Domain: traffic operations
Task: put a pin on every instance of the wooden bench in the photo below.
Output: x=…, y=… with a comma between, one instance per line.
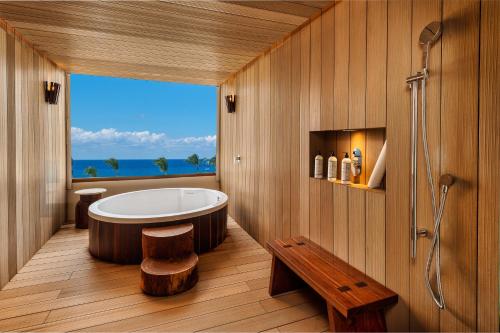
x=355, y=302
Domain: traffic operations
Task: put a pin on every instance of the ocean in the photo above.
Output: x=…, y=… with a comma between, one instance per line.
x=137, y=168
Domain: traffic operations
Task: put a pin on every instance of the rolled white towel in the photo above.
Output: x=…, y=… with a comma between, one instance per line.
x=379, y=169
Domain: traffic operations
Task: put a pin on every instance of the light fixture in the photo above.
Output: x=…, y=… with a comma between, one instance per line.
x=51, y=92
x=231, y=103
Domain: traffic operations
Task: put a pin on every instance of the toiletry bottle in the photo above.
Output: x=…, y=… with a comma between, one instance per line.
x=332, y=167
x=356, y=165
x=345, y=170
x=318, y=166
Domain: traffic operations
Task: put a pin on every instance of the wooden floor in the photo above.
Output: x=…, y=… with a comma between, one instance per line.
x=64, y=289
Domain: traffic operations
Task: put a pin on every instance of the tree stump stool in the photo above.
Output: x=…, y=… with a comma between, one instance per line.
x=87, y=197
x=170, y=265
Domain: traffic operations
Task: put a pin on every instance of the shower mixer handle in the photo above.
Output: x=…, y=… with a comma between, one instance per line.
x=446, y=180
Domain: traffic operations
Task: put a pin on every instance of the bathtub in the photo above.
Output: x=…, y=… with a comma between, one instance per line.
x=116, y=222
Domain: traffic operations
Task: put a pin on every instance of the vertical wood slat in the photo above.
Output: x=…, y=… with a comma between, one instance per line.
x=399, y=45
x=286, y=102
x=11, y=151
x=357, y=64
x=25, y=189
x=341, y=66
x=4, y=217
x=341, y=197
x=295, y=140
x=274, y=142
x=403, y=56
x=357, y=231
x=315, y=76
x=315, y=210
x=326, y=216
x=265, y=158
x=459, y=114
x=305, y=48
x=375, y=235
x=278, y=128
x=425, y=315
x=376, y=63
x=489, y=177
x=327, y=67
x=341, y=223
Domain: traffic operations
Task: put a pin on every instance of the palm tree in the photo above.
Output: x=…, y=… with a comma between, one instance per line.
x=194, y=160
x=90, y=171
x=212, y=161
x=162, y=164
x=113, y=163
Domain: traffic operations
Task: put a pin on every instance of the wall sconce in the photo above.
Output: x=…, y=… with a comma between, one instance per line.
x=231, y=103
x=51, y=92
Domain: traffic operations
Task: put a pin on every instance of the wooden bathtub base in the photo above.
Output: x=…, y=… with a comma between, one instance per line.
x=121, y=243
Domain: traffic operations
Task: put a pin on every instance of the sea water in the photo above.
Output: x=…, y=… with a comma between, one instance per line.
x=138, y=168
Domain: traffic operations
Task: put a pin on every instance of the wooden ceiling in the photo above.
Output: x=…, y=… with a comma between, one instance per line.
x=184, y=41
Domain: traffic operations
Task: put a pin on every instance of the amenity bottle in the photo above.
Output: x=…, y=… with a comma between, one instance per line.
x=345, y=170
x=318, y=166
x=332, y=168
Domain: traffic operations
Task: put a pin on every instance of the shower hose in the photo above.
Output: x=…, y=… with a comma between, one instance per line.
x=437, y=212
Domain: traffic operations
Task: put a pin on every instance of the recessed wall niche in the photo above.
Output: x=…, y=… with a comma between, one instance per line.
x=369, y=141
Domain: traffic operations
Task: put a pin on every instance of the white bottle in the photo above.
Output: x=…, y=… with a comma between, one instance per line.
x=318, y=166
x=332, y=168
x=345, y=170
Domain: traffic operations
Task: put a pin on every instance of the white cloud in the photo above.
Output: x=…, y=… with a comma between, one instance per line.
x=111, y=135
x=112, y=142
x=209, y=139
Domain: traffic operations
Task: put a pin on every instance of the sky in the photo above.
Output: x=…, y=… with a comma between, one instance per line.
x=138, y=119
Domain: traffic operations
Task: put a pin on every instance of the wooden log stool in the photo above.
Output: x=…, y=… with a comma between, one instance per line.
x=354, y=301
x=169, y=264
x=87, y=197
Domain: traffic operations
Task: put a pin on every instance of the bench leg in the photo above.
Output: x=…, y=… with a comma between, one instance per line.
x=369, y=321
x=283, y=279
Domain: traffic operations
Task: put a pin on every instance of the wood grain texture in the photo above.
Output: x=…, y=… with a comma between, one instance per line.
x=122, y=242
x=425, y=315
x=357, y=228
x=376, y=63
x=31, y=193
x=459, y=114
x=357, y=64
x=305, y=67
x=327, y=69
x=375, y=236
x=4, y=205
x=315, y=76
x=398, y=162
x=341, y=223
x=489, y=186
x=326, y=216
x=169, y=40
x=327, y=274
x=315, y=209
x=394, y=56
x=295, y=140
x=341, y=64
x=100, y=296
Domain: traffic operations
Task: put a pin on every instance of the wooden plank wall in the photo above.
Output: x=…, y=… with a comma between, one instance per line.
x=347, y=70
x=32, y=146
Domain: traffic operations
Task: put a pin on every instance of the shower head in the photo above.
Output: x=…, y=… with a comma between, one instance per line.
x=431, y=33
x=428, y=36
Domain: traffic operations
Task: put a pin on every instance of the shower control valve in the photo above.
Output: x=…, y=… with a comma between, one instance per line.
x=422, y=232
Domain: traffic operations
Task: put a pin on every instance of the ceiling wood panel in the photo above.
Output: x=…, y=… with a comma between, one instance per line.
x=187, y=41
